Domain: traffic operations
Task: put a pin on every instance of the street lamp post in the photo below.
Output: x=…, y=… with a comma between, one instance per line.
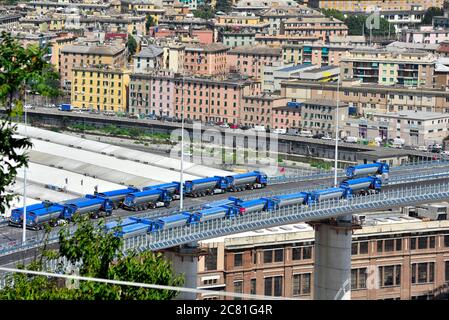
x=24, y=233
x=336, y=134
x=181, y=187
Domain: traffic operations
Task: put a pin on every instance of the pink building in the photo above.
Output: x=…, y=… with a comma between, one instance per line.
x=426, y=34
x=258, y=109
x=205, y=59
x=151, y=94
x=250, y=60
x=209, y=99
x=286, y=118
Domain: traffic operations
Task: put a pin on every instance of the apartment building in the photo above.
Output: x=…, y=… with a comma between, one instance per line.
x=45, y=23
x=8, y=20
x=364, y=5
x=148, y=59
x=42, y=7
x=425, y=34
x=282, y=39
x=173, y=58
x=286, y=117
x=258, y=109
x=131, y=24
x=370, y=98
x=415, y=128
x=103, y=89
x=79, y=55
x=318, y=116
x=414, y=69
x=398, y=257
x=205, y=59
x=152, y=93
x=213, y=99
x=275, y=16
x=317, y=54
x=237, y=38
x=321, y=27
x=251, y=60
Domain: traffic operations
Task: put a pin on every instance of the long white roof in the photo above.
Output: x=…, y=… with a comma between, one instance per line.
x=170, y=165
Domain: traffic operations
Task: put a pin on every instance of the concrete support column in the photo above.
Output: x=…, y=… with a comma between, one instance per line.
x=332, y=268
x=185, y=261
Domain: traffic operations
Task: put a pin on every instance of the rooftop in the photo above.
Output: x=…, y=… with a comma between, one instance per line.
x=326, y=103
x=415, y=115
x=213, y=47
x=150, y=51
x=259, y=50
x=296, y=68
x=93, y=49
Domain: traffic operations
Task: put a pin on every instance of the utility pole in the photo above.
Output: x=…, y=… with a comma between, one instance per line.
x=181, y=187
x=336, y=134
x=24, y=233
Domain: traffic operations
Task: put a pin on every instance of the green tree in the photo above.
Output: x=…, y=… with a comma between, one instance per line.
x=149, y=22
x=204, y=11
x=430, y=13
x=98, y=254
x=333, y=13
x=21, y=69
x=223, y=5
x=131, y=44
x=357, y=26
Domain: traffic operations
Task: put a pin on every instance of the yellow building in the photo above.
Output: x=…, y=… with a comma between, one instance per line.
x=237, y=20
x=103, y=89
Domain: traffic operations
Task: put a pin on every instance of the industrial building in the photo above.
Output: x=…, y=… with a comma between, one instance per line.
x=394, y=256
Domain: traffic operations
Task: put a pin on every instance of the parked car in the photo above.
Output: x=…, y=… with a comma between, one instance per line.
x=422, y=148
x=224, y=125
x=318, y=136
x=234, y=126
x=326, y=138
x=245, y=127
x=306, y=133
x=280, y=131
x=28, y=106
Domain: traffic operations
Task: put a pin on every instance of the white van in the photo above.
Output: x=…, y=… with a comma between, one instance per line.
x=350, y=139
x=280, y=131
x=306, y=133
x=259, y=128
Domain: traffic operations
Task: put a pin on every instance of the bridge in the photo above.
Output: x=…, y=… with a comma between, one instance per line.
x=412, y=184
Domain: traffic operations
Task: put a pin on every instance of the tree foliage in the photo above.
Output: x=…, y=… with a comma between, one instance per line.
x=357, y=23
x=430, y=13
x=21, y=69
x=98, y=254
x=204, y=11
x=223, y=5
x=149, y=22
x=131, y=44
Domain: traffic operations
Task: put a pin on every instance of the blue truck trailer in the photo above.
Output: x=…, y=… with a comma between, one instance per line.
x=204, y=186
x=250, y=180
x=171, y=187
x=150, y=198
x=116, y=196
x=16, y=218
x=379, y=168
x=363, y=186
x=168, y=222
x=92, y=205
x=290, y=199
x=65, y=107
x=326, y=194
x=36, y=219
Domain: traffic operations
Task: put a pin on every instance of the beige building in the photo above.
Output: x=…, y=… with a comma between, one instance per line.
x=370, y=98
x=415, y=128
x=84, y=55
x=364, y=5
x=398, y=257
x=385, y=67
x=173, y=58
x=322, y=27
x=318, y=116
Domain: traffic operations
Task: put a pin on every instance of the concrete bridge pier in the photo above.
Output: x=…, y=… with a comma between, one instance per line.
x=332, y=268
x=185, y=261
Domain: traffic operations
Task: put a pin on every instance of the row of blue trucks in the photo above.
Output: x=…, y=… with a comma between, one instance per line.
x=103, y=204
x=234, y=207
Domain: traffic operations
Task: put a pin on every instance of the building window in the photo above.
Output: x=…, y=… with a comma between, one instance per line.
x=423, y=272
x=273, y=286
x=238, y=259
x=301, y=284
x=303, y=253
x=446, y=240
x=389, y=245
x=422, y=243
x=446, y=271
x=358, y=278
x=279, y=255
x=390, y=275
x=360, y=247
x=238, y=288
x=210, y=262
x=268, y=256
x=253, y=286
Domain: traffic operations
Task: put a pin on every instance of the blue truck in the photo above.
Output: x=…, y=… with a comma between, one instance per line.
x=204, y=186
x=65, y=107
x=377, y=168
x=250, y=180
x=290, y=199
x=16, y=218
x=51, y=215
x=116, y=196
x=172, y=221
x=326, y=194
x=171, y=187
x=150, y=198
x=93, y=205
x=362, y=186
